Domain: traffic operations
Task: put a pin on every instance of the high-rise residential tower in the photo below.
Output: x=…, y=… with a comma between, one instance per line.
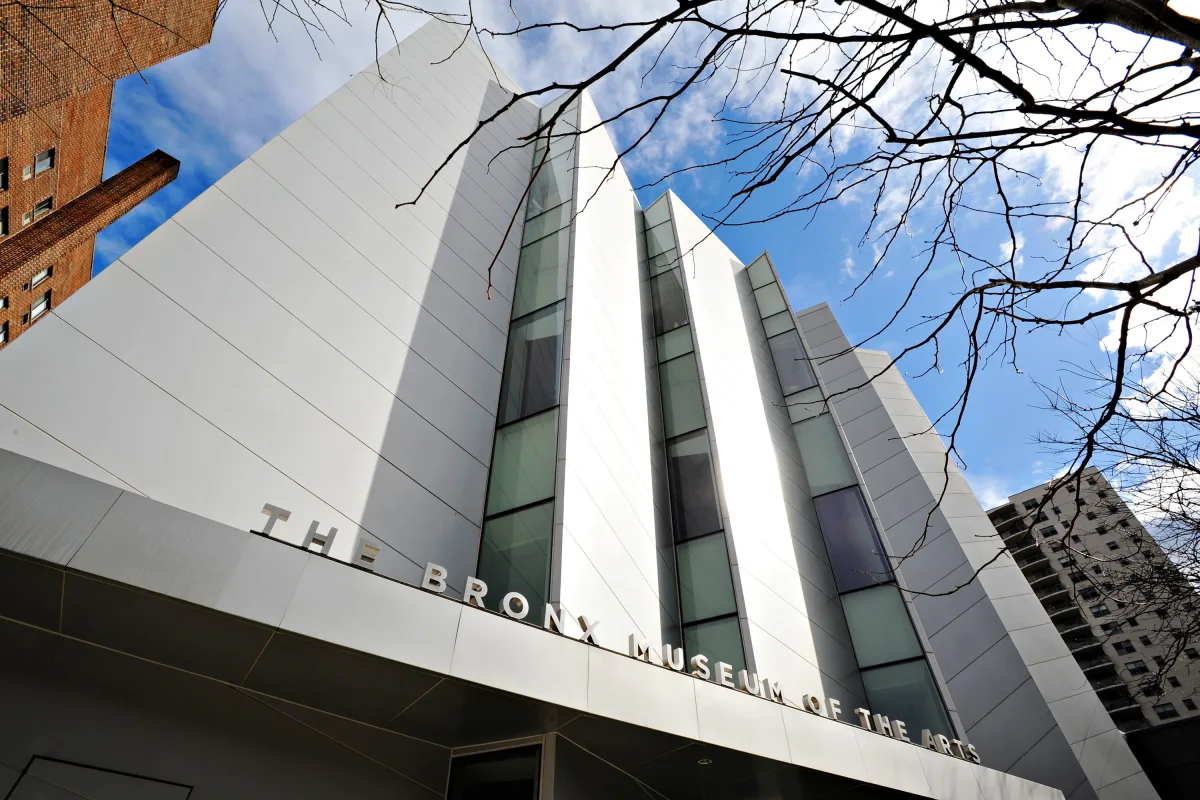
x=408, y=501
x=1075, y=543
x=59, y=61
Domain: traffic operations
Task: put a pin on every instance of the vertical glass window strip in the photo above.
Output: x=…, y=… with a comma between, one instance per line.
x=791, y=362
x=659, y=239
x=552, y=184
x=760, y=273
x=523, y=462
x=542, y=273
x=515, y=554
x=720, y=640
x=682, y=402
x=532, y=365
x=705, y=582
x=546, y=223
x=855, y=551
x=895, y=673
x=675, y=343
x=708, y=605
x=669, y=301
x=825, y=461
x=694, y=507
x=515, y=546
x=879, y=626
x=907, y=691
x=770, y=300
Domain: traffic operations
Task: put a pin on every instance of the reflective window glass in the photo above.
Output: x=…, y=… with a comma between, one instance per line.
x=705, y=584
x=823, y=454
x=779, y=323
x=664, y=261
x=806, y=404
x=760, y=272
x=694, y=507
x=532, y=364
x=683, y=405
x=675, y=343
x=720, y=640
x=659, y=239
x=791, y=362
x=670, y=305
x=658, y=212
x=770, y=300
x=514, y=556
x=854, y=549
x=880, y=627
x=552, y=184
x=542, y=273
x=513, y=774
x=546, y=223
x=907, y=692
x=523, y=462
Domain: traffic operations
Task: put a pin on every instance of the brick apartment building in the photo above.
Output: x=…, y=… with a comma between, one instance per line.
x=58, y=62
x=1072, y=548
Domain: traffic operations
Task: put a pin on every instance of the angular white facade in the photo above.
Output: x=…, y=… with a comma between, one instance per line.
x=609, y=431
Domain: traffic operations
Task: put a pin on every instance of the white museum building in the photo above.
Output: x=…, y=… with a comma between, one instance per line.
x=293, y=505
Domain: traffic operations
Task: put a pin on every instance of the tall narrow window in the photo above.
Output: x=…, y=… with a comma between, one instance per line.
x=791, y=362
x=532, y=365
x=683, y=403
x=523, y=462
x=670, y=303
x=694, y=507
x=514, y=555
x=43, y=207
x=4, y=221
x=3, y=332
x=39, y=307
x=542, y=273
x=854, y=548
x=3, y=173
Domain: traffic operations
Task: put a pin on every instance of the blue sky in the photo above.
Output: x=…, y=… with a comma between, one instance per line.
x=213, y=107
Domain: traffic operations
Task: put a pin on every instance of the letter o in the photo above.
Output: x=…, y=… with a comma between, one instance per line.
x=506, y=605
x=812, y=703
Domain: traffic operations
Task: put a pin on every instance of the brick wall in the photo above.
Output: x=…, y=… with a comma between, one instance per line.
x=53, y=49
x=64, y=239
x=59, y=59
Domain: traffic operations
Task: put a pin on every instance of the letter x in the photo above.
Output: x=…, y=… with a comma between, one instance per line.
x=589, y=630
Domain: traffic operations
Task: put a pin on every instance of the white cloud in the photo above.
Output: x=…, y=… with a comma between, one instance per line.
x=991, y=490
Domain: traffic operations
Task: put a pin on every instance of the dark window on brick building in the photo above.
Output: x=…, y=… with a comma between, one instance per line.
x=43, y=161
x=3, y=173
x=4, y=221
x=43, y=207
x=3, y=332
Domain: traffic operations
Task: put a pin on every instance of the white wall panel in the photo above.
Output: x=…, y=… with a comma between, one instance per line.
x=608, y=514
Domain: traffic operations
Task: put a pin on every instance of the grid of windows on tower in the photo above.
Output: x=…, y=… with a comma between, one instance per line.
x=515, y=549
x=707, y=603
x=894, y=670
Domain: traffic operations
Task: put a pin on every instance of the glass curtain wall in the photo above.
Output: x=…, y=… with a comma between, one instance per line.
x=515, y=550
x=707, y=604
x=894, y=671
